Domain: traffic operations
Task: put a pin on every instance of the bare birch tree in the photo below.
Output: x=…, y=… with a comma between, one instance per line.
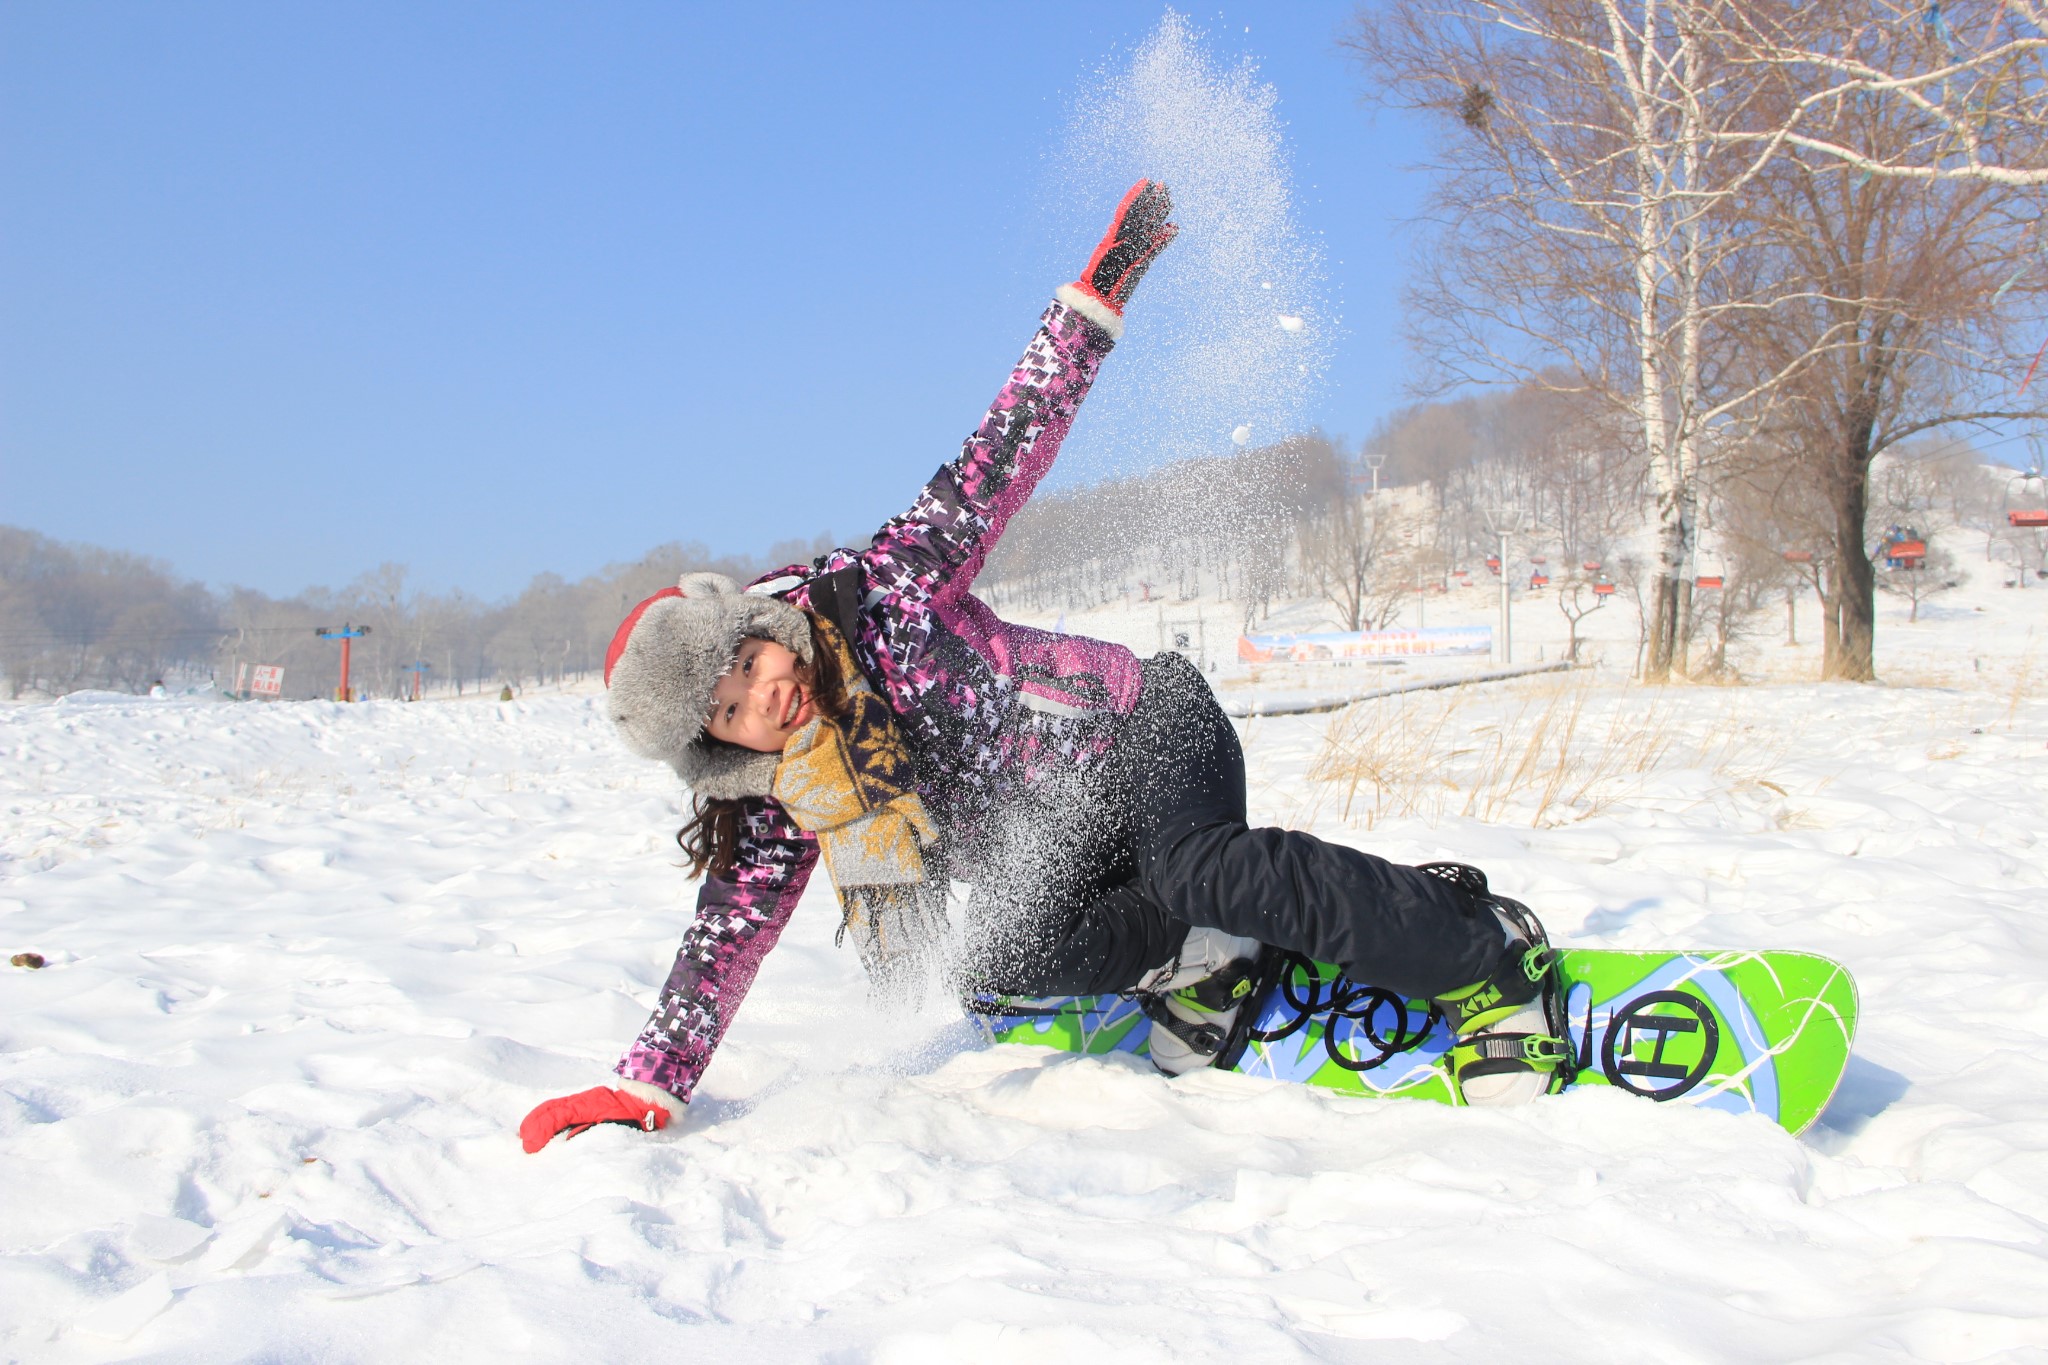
x=1591, y=152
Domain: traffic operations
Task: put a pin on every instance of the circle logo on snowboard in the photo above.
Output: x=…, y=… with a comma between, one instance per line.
x=1660, y=1045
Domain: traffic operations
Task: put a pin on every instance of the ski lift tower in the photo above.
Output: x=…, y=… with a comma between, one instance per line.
x=1374, y=459
x=345, y=635
x=1503, y=522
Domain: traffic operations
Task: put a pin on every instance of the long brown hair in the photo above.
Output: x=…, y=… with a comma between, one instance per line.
x=711, y=839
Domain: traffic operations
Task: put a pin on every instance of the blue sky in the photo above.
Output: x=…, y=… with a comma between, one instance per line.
x=290, y=290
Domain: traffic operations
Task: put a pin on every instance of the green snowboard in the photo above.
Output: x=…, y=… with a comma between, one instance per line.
x=1767, y=1033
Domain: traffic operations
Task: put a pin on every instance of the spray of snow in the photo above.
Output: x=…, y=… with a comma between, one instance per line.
x=1230, y=332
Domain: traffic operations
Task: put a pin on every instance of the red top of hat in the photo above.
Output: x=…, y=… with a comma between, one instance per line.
x=611, y=656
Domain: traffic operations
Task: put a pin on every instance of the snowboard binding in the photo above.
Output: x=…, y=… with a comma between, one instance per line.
x=1512, y=1041
x=1202, y=1003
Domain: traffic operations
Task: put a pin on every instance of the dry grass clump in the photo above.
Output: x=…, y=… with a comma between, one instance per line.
x=1563, y=751
x=2022, y=687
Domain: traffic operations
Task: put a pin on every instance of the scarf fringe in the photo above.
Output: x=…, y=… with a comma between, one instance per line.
x=848, y=781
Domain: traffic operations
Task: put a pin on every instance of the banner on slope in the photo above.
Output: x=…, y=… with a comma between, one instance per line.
x=1331, y=646
x=264, y=680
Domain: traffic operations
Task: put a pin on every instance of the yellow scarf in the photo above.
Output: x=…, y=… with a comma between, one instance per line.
x=849, y=782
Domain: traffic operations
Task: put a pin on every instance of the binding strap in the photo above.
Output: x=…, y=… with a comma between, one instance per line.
x=1492, y=1054
x=1204, y=1039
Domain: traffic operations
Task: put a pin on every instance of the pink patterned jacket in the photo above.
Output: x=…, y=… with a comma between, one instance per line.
x=985, y=705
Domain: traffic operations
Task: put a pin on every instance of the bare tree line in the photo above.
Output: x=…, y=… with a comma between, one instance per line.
x=1300, y=519
x=78, y=617
x=1220, y=527
x=1305, y=519
x=1564, y=463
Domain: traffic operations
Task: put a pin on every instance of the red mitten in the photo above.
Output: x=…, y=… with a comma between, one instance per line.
x=1136, y=236
x=572, y=1114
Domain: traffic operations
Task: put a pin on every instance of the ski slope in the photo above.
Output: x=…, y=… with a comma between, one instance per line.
x=309, y=964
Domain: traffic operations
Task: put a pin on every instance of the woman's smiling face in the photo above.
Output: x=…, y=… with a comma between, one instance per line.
x=763, y=699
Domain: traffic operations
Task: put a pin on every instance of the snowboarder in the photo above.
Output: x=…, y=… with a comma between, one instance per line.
x=1083, y=810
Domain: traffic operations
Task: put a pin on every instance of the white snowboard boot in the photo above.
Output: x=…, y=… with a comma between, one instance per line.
x=1511, y=1044
x=1194, y=999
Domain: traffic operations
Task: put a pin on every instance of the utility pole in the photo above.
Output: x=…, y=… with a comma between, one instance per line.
x=1504, y=522
x=345, y=634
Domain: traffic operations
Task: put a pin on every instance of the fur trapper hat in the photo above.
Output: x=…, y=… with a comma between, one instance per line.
x=669, y=653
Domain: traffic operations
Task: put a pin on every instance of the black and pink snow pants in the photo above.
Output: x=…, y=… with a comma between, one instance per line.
x=1159, y=843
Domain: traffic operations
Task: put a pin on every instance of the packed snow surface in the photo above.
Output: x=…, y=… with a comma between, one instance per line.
x=308, y=965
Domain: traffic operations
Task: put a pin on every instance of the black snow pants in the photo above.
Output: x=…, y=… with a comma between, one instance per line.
x=1163, y=845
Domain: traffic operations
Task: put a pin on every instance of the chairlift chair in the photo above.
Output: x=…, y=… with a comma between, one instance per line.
x=2031, y=518
x=1905, y=554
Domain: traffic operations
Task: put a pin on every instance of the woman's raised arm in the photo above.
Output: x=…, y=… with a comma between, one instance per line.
x=934, y=550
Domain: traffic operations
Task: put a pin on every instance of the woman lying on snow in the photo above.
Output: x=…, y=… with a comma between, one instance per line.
x=870, y=710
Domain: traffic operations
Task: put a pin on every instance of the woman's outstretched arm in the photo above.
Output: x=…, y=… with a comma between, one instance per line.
x=739, y=918
x=933, y=551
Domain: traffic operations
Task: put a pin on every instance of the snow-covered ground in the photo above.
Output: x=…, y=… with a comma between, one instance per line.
x=309, y=965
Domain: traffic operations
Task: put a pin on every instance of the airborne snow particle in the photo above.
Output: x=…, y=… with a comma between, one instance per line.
x=1289, y=323
x=1202, y=355
x=1243, y=436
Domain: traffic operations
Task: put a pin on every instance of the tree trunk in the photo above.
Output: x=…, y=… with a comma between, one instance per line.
x=1663, y=635
x=1671, y=614
x=1830, y=593
x=1856, y=661
x=1852, y=659
x=1688, y=624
